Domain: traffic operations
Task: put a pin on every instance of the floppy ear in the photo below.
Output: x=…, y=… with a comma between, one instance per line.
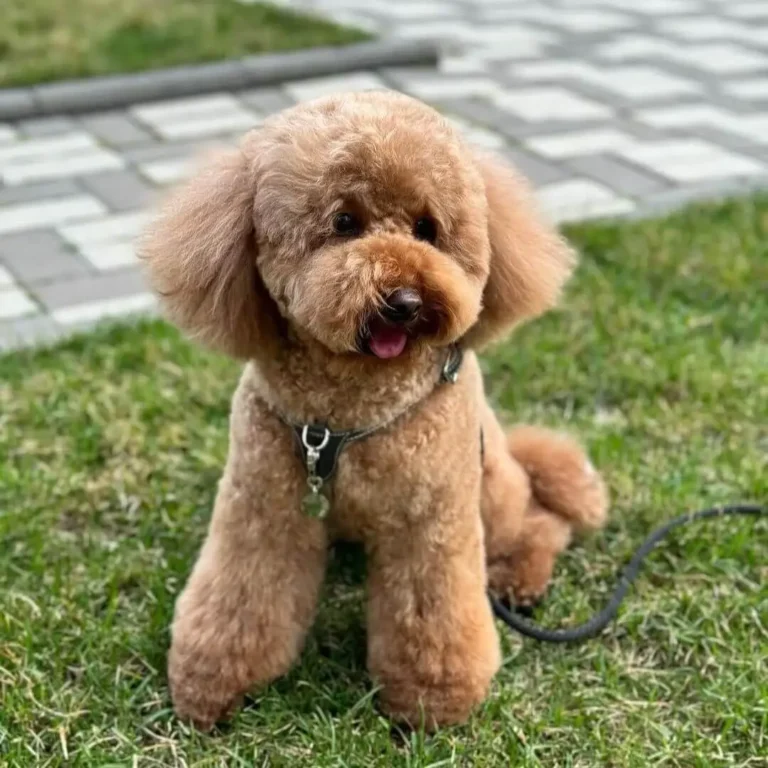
x=530, y=261
x=201, y=258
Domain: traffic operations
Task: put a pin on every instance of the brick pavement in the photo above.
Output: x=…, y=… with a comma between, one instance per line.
x=611, y=107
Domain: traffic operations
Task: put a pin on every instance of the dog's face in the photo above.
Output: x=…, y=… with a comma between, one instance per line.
x=362, y=221
x=371, y=225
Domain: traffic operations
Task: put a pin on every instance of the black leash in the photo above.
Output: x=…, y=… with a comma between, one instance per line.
x=601, y=619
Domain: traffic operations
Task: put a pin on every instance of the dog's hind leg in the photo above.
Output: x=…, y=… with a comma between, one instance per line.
x=538, y=488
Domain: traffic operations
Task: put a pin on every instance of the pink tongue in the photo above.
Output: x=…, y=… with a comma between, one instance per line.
x=387, y=342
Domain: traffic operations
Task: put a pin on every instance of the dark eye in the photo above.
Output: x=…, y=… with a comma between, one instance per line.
x=346, y=224
x=425, y=229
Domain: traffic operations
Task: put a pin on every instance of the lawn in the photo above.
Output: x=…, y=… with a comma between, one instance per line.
x=43, y=40
x=113, y=443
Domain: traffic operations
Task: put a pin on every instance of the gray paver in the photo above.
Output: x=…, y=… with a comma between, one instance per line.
x=266, y=100
x=619, y=175
x=108, y=285
x=674, y=198
x=489, y=116
x=159, y=150
x=536, y=169
x=120, y=190
x=28, y=331
x=38, y=256
x=28, y=193
x=116, y=129
x=46, y=126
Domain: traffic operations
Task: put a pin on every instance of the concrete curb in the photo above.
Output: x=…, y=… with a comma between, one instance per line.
x=103, y=93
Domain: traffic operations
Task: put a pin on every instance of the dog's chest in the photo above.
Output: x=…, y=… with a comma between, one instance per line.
x=395, y=477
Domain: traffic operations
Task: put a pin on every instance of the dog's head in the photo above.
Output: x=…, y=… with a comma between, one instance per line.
x=361, y=221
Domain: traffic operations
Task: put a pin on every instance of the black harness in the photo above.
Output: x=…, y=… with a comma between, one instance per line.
x=319, y=447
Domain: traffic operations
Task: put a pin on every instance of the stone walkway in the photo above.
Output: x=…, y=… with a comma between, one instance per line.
x=609, y=106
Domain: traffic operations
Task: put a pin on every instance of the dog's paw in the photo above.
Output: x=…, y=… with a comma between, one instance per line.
x=520, y=578
x=201, y=691
x=203, y=704
x=431, y=707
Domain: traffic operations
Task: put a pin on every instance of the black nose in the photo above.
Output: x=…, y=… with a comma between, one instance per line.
x=402, y=306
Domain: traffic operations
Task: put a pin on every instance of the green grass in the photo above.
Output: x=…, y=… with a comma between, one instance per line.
x=659, y=359
x=43, y=40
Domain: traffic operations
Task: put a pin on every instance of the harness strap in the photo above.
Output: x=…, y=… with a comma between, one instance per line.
x=319, y=448
x=328, y=444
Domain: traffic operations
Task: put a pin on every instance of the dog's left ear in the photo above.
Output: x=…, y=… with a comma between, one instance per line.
x=530, y=261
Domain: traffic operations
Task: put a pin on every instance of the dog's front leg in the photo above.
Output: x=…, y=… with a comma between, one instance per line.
x=432, y=644
x=243, y=616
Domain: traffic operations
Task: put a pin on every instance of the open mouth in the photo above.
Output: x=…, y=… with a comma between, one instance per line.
x=383, y=340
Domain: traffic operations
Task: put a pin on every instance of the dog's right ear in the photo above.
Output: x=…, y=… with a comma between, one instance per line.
x=201, y=258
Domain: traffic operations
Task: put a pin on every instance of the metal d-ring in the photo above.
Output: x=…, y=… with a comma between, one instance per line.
x=319, y=447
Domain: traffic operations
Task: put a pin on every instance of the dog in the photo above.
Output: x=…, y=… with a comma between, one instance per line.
x=356, y=253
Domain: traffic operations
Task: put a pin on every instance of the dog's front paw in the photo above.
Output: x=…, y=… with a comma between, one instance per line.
x=433, y=706
x=198, y=707
x=202, y=692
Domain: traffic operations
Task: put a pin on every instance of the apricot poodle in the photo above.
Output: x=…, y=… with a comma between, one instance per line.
x=356, y=252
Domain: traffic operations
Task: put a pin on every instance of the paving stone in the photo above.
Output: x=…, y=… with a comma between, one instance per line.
x=571, y=144
x=305, y=90
x=27, y=193
x=676, y=197
x=580, y=198
x=435, y=87
x=159, y=150
x=482, y=112
x=108, y=243
x=84, y=314
x=536, y=169
x=478, y=136
x=265, y=101
x=107, y=256
x=164, y=172
x=49, y=212
x=40, y=255
x=196, y=117
x=692, y=116
x=116, y=129
x=54, y=157
x=81, y=290
x=14, y=302
x=618, y=175
x=119, y=227
x=550, y=103
x=635, y=82
x=28, y=331
x=6, y=278
x=721, y=58
x=47, y=147
x=46, y=126
x=691, y=160
x=121, y=190
x=7, y=134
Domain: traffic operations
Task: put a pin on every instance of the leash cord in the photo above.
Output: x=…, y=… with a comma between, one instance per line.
x=604, y=617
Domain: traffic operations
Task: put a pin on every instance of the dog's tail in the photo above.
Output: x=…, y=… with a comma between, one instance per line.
x=562, y=477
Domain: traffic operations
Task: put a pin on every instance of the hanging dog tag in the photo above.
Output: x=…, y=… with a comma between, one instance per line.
x=314, y=504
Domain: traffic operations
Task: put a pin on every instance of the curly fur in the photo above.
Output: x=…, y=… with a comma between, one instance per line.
x=246, y=260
